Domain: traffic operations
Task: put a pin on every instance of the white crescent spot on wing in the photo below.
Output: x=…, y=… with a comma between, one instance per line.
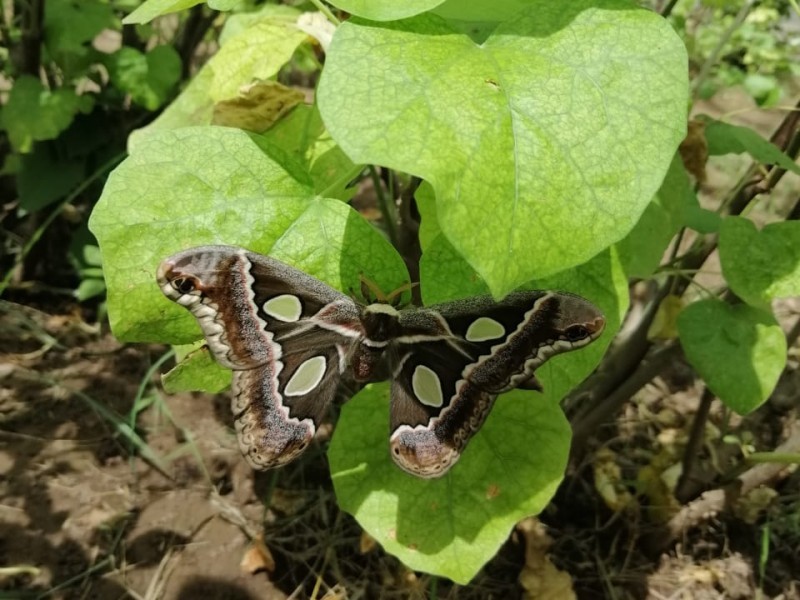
x=284, y=307
x=483, y=329
x=427, y=387
x=306, y=377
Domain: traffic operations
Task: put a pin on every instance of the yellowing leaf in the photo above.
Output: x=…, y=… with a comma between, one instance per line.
x=257, y=107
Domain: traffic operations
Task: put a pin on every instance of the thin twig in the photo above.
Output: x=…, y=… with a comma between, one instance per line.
x=588, y=422
x=667, y=10
x=713, y=57
x=386, y=206
x=714, y=501
x=321, y=7
x=689, y=476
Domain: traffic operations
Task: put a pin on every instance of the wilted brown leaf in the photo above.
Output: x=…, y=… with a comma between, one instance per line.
x=257, y=557
x=540, y=579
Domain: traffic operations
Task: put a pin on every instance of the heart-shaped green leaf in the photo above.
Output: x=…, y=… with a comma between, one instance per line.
x=543, y=144
x=724, y=138
x=453, y=525
x=739, y=350
x=212, y=185
x=760, y=265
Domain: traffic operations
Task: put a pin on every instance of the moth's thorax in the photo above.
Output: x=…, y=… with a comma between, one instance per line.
x=365, y=362
x=381, y=324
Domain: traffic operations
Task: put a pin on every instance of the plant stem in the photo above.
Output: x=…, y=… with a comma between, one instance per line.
x=693, y=446
x=326, y=11
x=709, y=63
x=784, y=458
x=386, y=205
x=667, y=10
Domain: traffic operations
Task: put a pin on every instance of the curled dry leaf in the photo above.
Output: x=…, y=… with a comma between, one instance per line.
x=751, y=506
x=257, y=557
x=540, y=579
x=258, y=106
x=367, y=543
x=694, y=151
x=608, y=481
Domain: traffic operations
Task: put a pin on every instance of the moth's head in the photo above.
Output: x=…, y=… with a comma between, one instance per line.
x=372, y=293
x=185, y=276
x=380, y=322
x=578, y=321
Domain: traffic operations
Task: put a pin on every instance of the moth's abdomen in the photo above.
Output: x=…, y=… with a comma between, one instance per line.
x=420, y=452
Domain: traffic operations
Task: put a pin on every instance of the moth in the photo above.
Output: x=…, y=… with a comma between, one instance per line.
x=289, y=339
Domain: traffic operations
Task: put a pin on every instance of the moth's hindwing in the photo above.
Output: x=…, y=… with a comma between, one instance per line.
x=451, y=361
x=286, y=336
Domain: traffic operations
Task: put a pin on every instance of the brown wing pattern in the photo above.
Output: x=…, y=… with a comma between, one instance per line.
x=285, y=334
x=445, y=387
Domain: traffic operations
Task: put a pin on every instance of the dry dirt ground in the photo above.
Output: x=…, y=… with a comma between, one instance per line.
x=83, y=515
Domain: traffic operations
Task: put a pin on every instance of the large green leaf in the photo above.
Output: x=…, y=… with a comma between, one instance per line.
x=385, y=10
x=453, y=525
x=739, y=350
x=760, y=265
x=209, y=185
x=544, y=144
